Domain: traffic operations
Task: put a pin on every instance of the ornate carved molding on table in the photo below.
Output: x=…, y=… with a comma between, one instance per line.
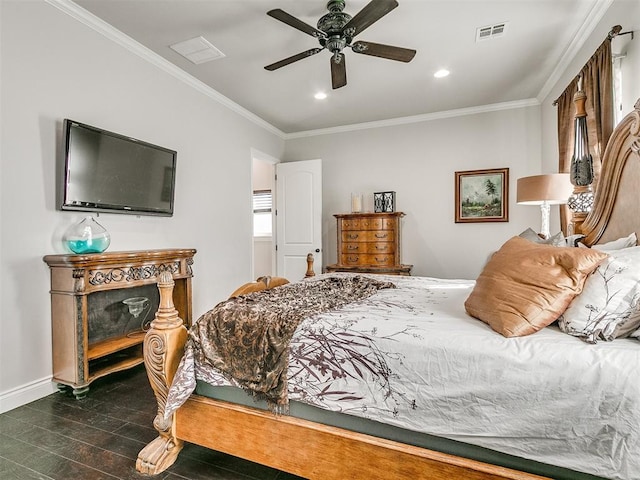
x=90, y=327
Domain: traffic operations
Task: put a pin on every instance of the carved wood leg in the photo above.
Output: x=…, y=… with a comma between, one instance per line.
x=80, y=392
x=163, y=349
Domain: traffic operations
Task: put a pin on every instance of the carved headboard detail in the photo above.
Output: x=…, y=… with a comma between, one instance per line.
x=616, y=208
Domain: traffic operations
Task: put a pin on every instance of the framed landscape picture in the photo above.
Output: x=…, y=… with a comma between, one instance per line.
x=482, y=196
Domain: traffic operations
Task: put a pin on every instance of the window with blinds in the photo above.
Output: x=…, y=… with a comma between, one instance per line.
x=262, y=201
x=262, y=205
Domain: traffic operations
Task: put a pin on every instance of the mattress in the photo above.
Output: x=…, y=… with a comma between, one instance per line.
x=411, y=358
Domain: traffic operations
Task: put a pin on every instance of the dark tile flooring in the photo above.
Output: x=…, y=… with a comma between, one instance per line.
x=99, y=437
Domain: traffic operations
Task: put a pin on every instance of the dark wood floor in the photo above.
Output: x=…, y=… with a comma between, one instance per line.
x=99, y=437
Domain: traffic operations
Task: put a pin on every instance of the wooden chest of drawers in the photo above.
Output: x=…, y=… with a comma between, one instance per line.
x=369, y=242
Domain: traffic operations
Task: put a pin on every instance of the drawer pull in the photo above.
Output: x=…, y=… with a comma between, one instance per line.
x=353, y=247
x=382, y=248
x=353, y=258
x=381, y=235
x=353, y=236
x=381, y=260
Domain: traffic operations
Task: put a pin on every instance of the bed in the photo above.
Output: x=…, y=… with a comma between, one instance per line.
x=474, y=439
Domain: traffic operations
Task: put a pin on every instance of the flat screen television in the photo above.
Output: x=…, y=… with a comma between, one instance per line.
x=108, y=172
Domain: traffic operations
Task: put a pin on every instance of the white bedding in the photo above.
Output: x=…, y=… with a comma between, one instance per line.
x=429, y=367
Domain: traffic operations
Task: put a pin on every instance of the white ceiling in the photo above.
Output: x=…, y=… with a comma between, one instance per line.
x=518, y=66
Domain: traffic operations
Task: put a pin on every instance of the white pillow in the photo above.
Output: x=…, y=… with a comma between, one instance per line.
x=624, y=242
x=608, y=306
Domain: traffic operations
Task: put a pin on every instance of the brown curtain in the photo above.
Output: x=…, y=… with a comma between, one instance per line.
x=597, y=83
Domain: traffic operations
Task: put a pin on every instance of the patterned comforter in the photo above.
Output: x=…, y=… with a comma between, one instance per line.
x=410, y=356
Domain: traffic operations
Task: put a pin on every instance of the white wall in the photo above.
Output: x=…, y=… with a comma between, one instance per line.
x=418, y=161
x=52, y=67
x=55, y=67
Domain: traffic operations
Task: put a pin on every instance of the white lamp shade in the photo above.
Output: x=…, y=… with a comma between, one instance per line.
x=552, y=188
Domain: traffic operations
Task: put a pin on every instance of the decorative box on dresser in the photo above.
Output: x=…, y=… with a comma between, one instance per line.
x=101, y=304
x=369, y=243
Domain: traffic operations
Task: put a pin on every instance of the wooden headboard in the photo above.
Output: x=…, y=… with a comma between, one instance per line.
x=616, y=211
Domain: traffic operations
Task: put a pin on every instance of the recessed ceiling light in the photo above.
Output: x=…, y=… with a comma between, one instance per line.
x=320, y=96
x=441, y=73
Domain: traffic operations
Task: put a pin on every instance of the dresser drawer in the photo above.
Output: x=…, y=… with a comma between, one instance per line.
x=362, y=223
x=368, y=223
x=367, y=259
x=368, y=236
x=368, y=247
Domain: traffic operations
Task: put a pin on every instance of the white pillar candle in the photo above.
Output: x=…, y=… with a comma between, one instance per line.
x=356, y=202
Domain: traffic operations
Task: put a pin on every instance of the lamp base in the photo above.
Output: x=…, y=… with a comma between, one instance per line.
x=545, y=208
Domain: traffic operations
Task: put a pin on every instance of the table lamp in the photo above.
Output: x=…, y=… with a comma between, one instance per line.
x=544, y=190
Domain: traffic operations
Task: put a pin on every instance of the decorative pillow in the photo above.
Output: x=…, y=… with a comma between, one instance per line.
x=574, y=240
x=608, y=306
x=525, y=286
x=624, y=242
x=557, y=240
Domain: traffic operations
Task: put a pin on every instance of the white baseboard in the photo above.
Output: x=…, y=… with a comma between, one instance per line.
x=26, y=393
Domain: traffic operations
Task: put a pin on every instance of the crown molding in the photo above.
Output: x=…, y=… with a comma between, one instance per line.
x=108, y=31
x=426, y=117
x=582, y=35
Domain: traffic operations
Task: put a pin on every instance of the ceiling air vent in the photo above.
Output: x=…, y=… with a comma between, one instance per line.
x=491, y=31
x=197, y=50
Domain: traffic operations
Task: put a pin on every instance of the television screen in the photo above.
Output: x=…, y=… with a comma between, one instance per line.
x=105, y=171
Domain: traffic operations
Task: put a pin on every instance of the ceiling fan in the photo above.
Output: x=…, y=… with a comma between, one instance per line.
x=336, y=30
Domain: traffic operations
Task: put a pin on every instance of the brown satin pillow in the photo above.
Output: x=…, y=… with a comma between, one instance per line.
x=526, y=286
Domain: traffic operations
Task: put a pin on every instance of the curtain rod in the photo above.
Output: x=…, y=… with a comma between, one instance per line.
x=614, y=32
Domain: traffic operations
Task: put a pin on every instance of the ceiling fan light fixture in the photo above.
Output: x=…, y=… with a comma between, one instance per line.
x=335, y=32
x=443, y=72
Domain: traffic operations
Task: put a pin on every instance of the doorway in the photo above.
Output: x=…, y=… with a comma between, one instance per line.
x=263, y=214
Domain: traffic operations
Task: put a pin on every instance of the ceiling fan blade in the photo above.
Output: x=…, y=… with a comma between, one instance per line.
x=338, y=70
x=371, y=13
x=293, y=58
x=384, y=51
x=295, y=23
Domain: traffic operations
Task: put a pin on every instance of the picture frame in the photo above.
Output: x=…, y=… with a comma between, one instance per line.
x=482, y=195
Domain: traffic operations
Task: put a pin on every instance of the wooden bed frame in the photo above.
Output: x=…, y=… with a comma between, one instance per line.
x=335, y=453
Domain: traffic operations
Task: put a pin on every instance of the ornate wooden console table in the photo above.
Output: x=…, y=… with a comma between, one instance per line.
x=101, y=305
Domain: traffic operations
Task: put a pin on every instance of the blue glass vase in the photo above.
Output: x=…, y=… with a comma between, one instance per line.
x=87, y=236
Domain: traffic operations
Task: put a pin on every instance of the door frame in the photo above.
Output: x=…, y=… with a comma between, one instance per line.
x=266, y=158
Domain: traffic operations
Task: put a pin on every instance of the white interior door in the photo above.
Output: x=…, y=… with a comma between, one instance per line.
x=298, y=217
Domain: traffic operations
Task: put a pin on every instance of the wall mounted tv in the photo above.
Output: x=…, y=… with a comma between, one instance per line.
x=108, y=172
